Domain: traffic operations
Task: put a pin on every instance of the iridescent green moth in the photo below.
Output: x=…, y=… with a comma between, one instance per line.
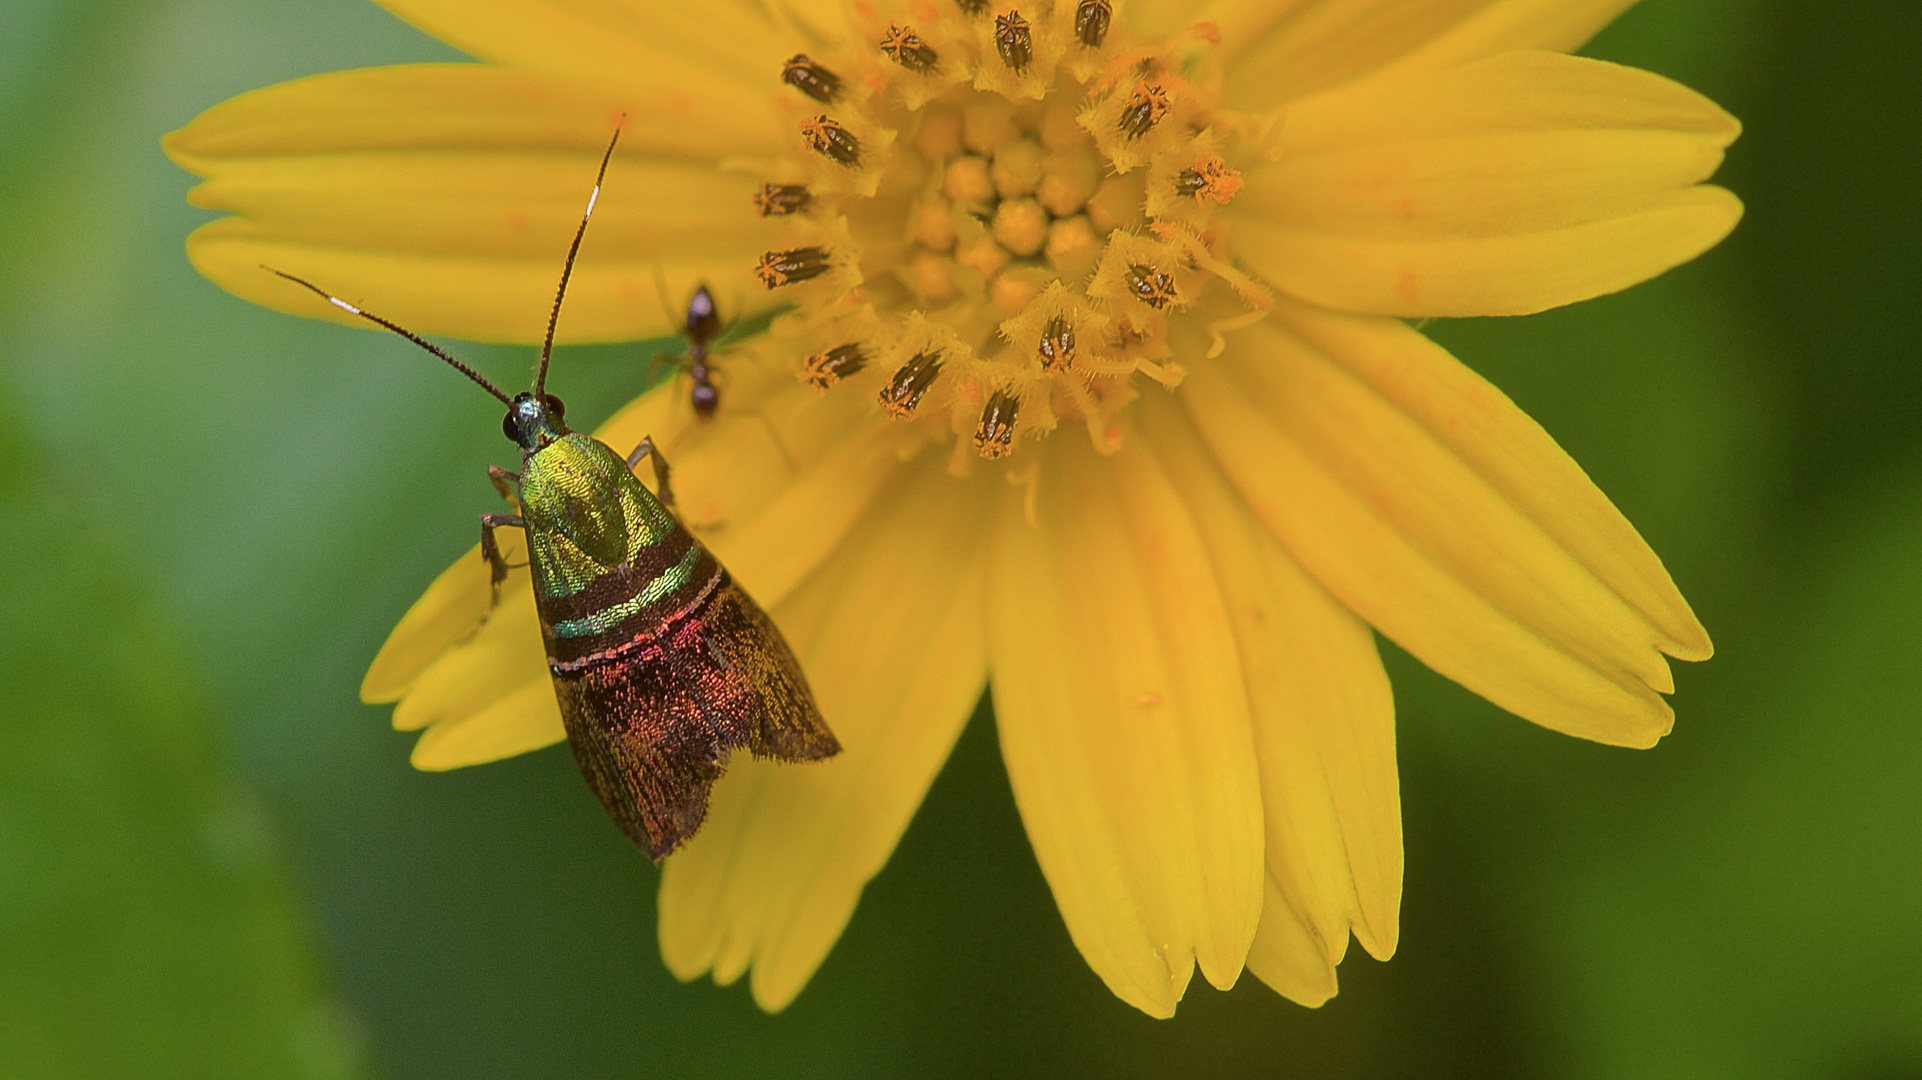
x=662, y=665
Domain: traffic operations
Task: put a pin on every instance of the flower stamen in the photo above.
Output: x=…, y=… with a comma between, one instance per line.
x=1210, y=180
x=1147, y=104
x=907, y=49
x=811, y=79
x=829, y=139
x=1013, y=41
x=778, y=268
x=823, y=369
x=1057, y=344
x=910, y=383
x=1151, y=286
x=1091, y=19
x=995, y=437
x=781, y=199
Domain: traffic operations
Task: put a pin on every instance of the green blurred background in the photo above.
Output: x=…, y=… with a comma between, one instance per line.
x=215, y=863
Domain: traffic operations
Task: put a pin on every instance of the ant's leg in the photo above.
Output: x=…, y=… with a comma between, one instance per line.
x=646, y=450
x=773, y=435
x=767, y=422
x=659, y=360
x=660, y=293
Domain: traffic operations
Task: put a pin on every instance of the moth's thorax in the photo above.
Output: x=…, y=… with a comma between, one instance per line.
x=585, y=513
x=611, y=565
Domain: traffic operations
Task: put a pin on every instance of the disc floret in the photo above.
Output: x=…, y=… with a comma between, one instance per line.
x=992, y=216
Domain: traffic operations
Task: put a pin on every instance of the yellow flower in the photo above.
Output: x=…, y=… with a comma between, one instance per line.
x=1104, y=401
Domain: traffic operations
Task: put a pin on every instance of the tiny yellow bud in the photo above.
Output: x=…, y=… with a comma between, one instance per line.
x=1116, y=204
x=1013, y=294
x=989, y=123
x=984, y=255
x=934, y=225
x=1068, y=179
x=1070, y=235
x=1017, y=167
x=940, y=136
x=931, y=276
x=1073, y=247
x=1021, y=226
x=967, y=180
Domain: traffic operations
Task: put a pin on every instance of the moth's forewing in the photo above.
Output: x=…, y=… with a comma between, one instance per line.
x=662, y=665
x=652, y=725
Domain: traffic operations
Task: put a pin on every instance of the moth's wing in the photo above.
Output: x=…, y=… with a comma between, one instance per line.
x=638, y=728
x=653, y=726
x=662, y=665
x=765, y=696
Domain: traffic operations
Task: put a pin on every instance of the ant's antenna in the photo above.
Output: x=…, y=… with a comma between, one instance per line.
x=402, y=331
x=547, y=348
x=674, y=322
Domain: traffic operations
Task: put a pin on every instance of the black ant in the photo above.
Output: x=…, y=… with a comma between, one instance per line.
x=703, y=325
x=701, y=328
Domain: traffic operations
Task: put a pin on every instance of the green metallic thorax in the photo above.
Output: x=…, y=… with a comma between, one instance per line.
x=585, y=514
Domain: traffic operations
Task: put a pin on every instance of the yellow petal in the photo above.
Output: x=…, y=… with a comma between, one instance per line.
x=1468, y=571
x=1523, y=141
x=527, y=719
x=494, y=659
x=1509, y=25
x=1324, y=717
x=1290, y=956
x=773, y=551
x=890, y=633
x=446, y=613
x=1515, y=184
x=1493, y=436
x=1159, y=18
x=811, y=21
x=444, y=197
x=1124, y=723
x=1505, y=275
x=694, y=45
x=488, y=695
x=1278, y=51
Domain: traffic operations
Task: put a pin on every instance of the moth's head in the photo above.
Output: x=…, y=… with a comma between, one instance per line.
x=533, y=422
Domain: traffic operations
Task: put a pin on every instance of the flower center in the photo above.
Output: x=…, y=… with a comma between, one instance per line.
x=993, y=217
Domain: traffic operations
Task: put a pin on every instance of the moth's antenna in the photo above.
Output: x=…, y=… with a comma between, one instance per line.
x=402, y=331
x=554, y=317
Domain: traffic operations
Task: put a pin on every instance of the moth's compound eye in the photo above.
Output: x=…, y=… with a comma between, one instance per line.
x=554, y=406
x=512, y=429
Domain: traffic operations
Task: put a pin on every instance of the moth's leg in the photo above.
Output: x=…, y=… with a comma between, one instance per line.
x=646, y=450
x=491, y=551
x=504, y=482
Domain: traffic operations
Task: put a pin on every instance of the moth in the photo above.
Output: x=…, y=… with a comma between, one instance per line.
x=662, y=664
